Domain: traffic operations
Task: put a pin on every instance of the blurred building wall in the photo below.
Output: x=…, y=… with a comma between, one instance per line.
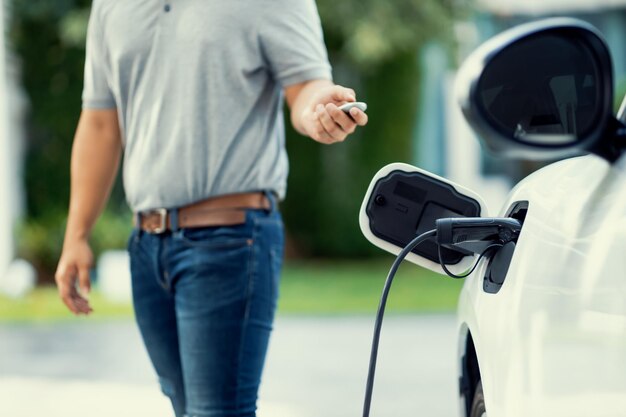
x=609, y=16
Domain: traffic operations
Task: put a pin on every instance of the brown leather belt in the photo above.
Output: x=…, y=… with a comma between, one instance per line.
x=225, y=210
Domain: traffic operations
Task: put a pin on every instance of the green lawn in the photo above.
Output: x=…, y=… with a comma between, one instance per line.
x=307, y=288
x=331, y=288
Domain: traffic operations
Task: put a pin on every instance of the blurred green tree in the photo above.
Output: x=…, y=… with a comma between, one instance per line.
x=373, y=46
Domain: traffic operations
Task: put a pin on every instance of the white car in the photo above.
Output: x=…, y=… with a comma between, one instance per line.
x=542, y=319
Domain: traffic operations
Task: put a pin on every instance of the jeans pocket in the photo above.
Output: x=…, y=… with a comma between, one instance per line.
x=224, y=237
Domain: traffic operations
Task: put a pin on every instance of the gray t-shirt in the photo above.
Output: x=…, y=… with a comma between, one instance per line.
x=198, y=89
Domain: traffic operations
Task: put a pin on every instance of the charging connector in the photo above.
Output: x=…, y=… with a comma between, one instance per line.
x=476, y=234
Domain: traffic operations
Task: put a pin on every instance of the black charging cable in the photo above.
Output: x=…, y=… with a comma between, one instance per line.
x=381, y=312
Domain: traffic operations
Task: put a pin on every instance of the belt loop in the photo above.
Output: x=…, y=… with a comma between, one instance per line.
x=138, y=226
x=173, y=219
x=138, y=221
x=269, y=194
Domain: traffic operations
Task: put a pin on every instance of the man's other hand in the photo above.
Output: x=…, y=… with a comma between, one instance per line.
x=74, y=265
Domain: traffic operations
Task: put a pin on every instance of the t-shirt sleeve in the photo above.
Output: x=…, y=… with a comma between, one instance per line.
x=97, y=93
x=292, y=42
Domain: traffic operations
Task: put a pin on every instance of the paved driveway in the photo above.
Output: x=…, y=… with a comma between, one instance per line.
x=316, y=367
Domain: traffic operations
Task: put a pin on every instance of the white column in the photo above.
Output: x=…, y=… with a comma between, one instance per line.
x=17, y=277
x=7, y=185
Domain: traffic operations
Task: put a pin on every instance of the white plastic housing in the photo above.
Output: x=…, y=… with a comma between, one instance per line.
x=364, y=222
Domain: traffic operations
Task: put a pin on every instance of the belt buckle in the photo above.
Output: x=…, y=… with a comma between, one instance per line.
x=162, y=212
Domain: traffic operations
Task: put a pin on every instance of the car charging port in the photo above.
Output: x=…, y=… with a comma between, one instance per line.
x=498, y=265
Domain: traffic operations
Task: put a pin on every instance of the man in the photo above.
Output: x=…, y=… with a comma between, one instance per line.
x=192, y=91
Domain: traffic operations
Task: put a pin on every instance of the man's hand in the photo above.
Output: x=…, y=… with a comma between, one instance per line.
x=74, y=265
x=315, y=111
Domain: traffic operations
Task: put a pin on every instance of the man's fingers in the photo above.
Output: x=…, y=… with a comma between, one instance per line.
x=64, y=278
x=78, y=304
x=82, y=305
x=341, y=118
x=325, y=138
x=341, y=94
x=80, y=299
x=66, y=293
x=84, y=281
x=332, y=128
x=359, y=116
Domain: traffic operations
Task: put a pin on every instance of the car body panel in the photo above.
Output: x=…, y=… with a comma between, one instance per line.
x=552, y=341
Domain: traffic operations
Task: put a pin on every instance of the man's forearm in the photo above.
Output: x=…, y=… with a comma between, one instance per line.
x=302, y=97
x=95, y=160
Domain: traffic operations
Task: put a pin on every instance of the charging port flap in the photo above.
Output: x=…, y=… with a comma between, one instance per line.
x=403, y=201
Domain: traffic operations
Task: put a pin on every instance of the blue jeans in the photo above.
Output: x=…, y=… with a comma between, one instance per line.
x=204, y=301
